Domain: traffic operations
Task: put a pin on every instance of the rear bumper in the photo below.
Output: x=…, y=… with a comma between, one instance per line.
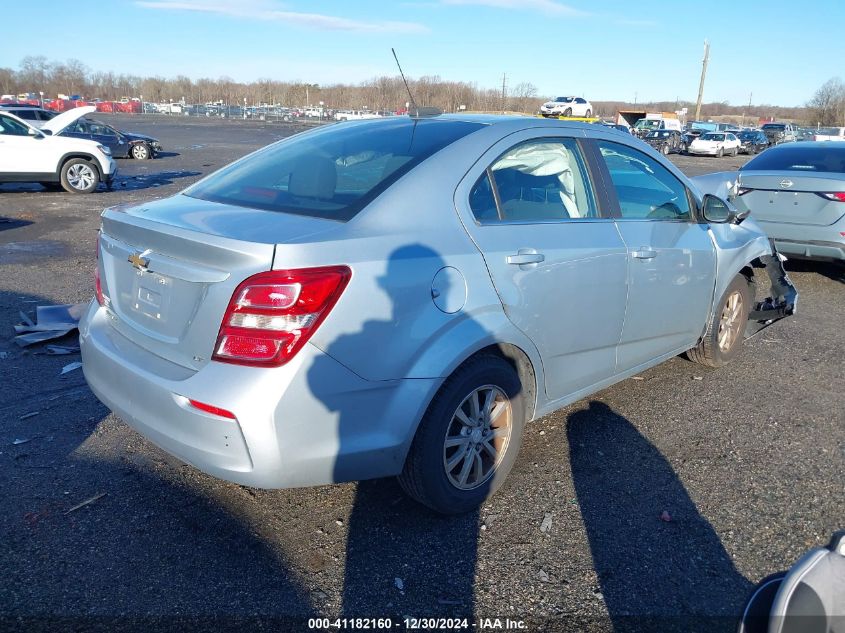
x=309, y=422
x=807, y=241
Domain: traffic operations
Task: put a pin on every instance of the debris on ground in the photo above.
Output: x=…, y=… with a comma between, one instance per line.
x=665, y=516
x=542, y=575
x=546, y=525
x=20, y=441
x=31, y=414
x=637, y=378
x=61, y=350
x=4, y=355
x=70, y=367
x=698, y=377
x=87, y=502
x=51, y=322
x=400, y=585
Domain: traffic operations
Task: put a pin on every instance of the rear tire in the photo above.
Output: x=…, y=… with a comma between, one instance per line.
x=588, y=114
x=723, y=338
x=452, y=466
x=79, y=176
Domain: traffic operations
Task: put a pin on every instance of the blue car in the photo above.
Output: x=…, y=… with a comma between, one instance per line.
x=121, y=144
x=401, y=296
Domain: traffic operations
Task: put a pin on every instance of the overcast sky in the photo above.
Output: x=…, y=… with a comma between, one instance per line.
x=609, y=50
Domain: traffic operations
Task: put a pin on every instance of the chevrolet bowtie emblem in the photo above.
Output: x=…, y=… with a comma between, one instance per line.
x=139, y=261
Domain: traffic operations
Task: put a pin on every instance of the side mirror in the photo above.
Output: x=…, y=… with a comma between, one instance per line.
x=47, y=132
x=720, y=211
x=33, y=132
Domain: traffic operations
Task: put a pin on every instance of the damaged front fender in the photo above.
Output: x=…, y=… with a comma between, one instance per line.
x=783, y=298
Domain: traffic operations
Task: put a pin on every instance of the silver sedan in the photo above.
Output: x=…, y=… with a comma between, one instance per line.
x=399, y=297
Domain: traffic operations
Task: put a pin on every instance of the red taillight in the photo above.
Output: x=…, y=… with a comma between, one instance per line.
x=271, y=315
x=209, y=408
x=836, y=196
x=97, y=284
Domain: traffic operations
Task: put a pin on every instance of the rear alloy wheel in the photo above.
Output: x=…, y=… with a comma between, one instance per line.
x=79, y=176
x=141, y=151
x=723, y=338
x=588, y=114
x=468, y=439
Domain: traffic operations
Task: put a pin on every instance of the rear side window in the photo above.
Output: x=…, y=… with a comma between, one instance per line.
x=537, y=181
x=333, y=172
x=827, y=158
x=646, y=189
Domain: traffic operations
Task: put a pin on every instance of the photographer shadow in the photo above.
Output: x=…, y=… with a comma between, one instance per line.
x=660, y=564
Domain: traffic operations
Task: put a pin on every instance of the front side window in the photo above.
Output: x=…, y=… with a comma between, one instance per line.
x=537, y=181
x=646, y=189
x=10, y=127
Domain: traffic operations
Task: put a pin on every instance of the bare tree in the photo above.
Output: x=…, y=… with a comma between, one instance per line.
x=828, y=103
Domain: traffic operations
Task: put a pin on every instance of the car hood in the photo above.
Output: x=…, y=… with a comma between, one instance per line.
x=132, y=136
x=60, y=122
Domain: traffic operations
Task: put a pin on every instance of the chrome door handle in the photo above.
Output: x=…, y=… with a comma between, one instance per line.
x=644, y=253
x=526, y=256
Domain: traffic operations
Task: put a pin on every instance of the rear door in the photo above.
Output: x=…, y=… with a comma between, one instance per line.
x=671, y=256
x=558, y=265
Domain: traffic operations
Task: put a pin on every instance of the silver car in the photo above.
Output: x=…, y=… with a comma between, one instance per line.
x=796, y=192
x=399, y=297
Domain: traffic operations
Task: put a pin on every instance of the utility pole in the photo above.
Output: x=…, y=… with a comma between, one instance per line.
x=701, y=83
x=504, y=90
x=750, y=94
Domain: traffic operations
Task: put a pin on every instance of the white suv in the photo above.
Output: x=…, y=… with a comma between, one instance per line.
x=28, y=154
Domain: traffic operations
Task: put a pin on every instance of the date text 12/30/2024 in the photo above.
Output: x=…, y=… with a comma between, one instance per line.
x=416, y=624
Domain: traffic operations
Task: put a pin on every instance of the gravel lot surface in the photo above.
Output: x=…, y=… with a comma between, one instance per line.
x=746, y=460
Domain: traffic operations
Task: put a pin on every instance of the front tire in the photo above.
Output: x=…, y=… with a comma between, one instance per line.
x=141, y=151
x=665, y=149
x=723, y=338
x=79, y=176
x=720, y=153
x=469, y=437
x=567, y=112
x=588, y=114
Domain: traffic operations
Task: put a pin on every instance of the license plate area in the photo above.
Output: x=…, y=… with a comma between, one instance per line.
x=151, y=295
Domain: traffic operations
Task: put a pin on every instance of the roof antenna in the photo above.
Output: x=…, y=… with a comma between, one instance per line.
x=416, y=112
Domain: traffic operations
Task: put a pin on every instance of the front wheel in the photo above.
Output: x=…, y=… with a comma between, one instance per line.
x=567, y=112
x=79, y=176
x=720, y=153
x=141, y=151
x=666, y=149
x=468, y=440
x=723, y=338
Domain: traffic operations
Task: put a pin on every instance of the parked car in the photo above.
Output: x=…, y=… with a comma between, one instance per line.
x=829, y=134
x=29, y=154
x=796, y=192
x=779, y=133
x=752, y=142
x=121, y=144
x=715, y=144
x=567, y=106
x=34, y=116
x=397, y=297
x=690, y=135
x=666, y=141
x=645, y=126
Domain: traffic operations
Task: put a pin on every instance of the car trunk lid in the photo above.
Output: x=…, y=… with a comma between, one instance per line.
x=169, y=268
x=790, y=198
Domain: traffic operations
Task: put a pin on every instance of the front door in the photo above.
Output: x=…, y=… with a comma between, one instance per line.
x=20, y=151
x=671, y=257
x=558, y=266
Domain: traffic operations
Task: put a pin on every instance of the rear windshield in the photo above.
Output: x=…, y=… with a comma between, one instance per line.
x=333, y=172
x=828, y=158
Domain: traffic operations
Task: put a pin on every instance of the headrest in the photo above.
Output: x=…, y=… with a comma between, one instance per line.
x=313, y=177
